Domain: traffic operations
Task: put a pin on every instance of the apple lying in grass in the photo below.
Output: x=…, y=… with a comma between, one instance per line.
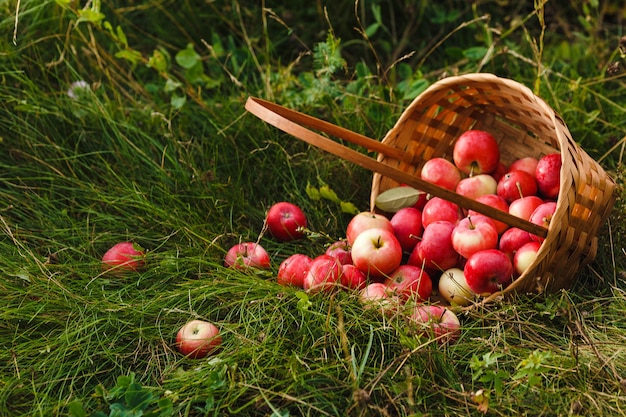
x=441, y=172
x=488, y=271
x=123, y=256
x=341, y=251
x=407, y=226
x=473, y=234
x=352, y=277
x=377, y=296
x=246, y=255
x=548, y=175
x=376, y=252
x=284, y=221
x=363, y=221
x=197, y=339
x=410, y=281
x=476, y=152
x=324, y=274
x=438, y=321
x=293, y=270
x=453, y=288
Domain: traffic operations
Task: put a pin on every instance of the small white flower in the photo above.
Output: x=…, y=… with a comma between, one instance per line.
x=78, y=89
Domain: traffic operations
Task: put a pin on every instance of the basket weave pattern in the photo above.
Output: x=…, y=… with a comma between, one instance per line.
x=524, y=125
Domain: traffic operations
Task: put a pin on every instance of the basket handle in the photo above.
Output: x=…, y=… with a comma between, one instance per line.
x=299, y=125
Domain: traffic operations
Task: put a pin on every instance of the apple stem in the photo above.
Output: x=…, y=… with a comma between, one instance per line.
x=412, y=236
x=519, y=189
x=471, y=225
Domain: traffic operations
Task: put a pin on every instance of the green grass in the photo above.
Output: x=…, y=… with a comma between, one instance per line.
x=160, y=150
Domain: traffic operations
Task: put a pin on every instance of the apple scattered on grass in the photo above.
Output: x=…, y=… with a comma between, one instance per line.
x=123, y=257
x=340, y=250
x=453, y=288
x=376, y=252
x=246, y=255
x=197, y=339
x=323, y=275
x=407, y=227
x=438, y=321
x=488, y=271
x=293, y=270
x=366, y=220
x=410, y=282
x=473, y=234
x=285, y=221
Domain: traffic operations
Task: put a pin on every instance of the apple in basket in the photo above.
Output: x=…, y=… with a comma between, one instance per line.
x=524, y=207
x=527, y=163
x=548, y=175
x=542, y=216
x=197, y=339
x=476, y=186
x=525, y=256
x=441, y=172
x=516, y=184
x=284, y=221
x=488, y=271
x=438, y=209
x=497, y=202
x=435, y=249
x=473, y=234
x=476, y=152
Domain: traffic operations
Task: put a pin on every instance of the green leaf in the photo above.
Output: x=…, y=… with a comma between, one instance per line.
x=138, y=398
x=171, y=85
x=303, y=301
x=91, y=16
x=177, y=101
x=129, y=55
x=475, y=53
x=312, y=192
x=327, y=193
x=75, y=409
x=158, y=61
x=396, y=198
x=188, y=57
x=121, y=36
x=348, y=208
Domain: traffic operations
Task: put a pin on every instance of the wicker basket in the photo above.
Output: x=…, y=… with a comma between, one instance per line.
x=522, y=123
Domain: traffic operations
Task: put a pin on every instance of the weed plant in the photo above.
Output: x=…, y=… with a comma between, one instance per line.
x=153, y=145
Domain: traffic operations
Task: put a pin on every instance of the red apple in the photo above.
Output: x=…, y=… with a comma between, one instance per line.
x=197, y=339
x=542, y=216
x=528, y=164
x=439, y=321
x=488, y=271
x=476, y=152
x=441, y=172
x=410, y=281
x=497, y=202
x=473, y=234
x=352, y=277
x=324, y=274
x=293, y=270
x=284, y=221
x=341, y=251
x=525, y=256
x=516, y=184
x=247, y=254
x=376, y=252
x=366, y=220
x=453, y=288
x=378, y=296
x=407, y=226
x=548, y=175
x=513, y=239
x=123, y=256
x=476, y=186
x=438, y=209
x=499, y=172
x=435, y=248
x=524, y=207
